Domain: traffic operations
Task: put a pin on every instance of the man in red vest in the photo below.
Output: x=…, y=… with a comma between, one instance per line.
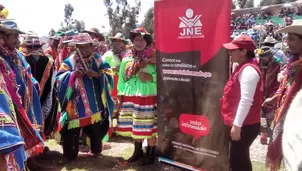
x=241, y=102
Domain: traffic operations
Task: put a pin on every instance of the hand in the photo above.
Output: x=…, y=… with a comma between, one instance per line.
x=153, y=60
x=270, y=102
x=37, y=127
x=3, y=163
x=91, y=74
x=116, y=69
x=78, y=73
x=236, y=133
x=144, y=77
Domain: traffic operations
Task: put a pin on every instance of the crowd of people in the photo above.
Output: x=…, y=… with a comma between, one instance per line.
x=246, y=23
x=72, y=90
x=277, y=71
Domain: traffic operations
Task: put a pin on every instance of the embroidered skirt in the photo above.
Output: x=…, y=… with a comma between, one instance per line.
x=137, y=117
x=114, y=96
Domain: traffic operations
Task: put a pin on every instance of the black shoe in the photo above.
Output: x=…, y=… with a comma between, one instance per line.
x=138, y=152
x=150, y=156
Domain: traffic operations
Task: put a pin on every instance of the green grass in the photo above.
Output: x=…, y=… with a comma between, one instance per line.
x=108, y=161
x=259, y=166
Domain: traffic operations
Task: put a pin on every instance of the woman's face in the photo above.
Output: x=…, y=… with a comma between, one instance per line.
x=237, y=54
x=118, y=44
x=139, y=43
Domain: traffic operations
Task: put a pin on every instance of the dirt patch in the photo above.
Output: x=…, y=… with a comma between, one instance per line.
x=113, y=158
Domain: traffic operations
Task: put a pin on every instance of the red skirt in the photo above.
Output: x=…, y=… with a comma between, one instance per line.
x=114, y=96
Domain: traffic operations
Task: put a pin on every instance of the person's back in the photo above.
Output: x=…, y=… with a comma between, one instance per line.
x=292, y=136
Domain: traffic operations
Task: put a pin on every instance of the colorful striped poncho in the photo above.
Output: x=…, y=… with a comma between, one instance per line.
x=27, y=92
x=17, y=135
x=84, y=101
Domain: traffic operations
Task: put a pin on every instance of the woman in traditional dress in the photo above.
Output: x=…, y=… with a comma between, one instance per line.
x=241, y=102
x=291, y=83
x=114, y=58
x=137, y=87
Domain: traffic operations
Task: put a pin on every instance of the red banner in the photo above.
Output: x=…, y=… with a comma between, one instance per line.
x=192, y=70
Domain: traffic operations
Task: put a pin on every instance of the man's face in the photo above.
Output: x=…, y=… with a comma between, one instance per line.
x=294, y=43
x=265, y=60
x=55, y=43
x=11, y=41
x=85, y=49
x=93, y=36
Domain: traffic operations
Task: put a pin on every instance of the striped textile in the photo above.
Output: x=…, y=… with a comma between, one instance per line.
x=137, y=118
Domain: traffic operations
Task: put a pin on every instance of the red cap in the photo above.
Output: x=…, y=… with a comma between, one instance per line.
x=243, y=42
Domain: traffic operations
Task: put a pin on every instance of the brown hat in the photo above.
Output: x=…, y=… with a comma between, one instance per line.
x=31, y=40
x=10, y=27
x=95, y=31
x=119, y=36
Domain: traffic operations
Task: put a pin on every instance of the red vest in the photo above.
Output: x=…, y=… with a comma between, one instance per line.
x=231, y=97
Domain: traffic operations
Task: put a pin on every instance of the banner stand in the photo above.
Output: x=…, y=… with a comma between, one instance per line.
x=175, y=163
x=192, y=69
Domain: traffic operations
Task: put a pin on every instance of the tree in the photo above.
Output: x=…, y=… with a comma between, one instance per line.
x=249, y=4
x=233, y=5
x=122, y=17
x=52, y=32
x=273, y=2
x=241, y=3
x=71, y=23
x=148, y=22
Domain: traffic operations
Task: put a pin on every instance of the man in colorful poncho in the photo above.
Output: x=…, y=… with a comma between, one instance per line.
x=52, y=50
x=270, y=64
x=23, y=90
x=290, y=85
x=84, y=90
x=43, y=70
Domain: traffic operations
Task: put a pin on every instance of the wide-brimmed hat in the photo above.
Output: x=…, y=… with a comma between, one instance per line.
x=55, y=37
x=271, y=52
x=81, y=39
x=95, y=31
x=295, y=28
x=31, y=40
x=10, y=27
x=69, y=35
x=119, y=36
x=266, y=51
x=243, y=42
x=270, y=40
x=141, y=31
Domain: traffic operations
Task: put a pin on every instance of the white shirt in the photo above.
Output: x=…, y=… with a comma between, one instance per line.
x=248, y=80
x=292, y=135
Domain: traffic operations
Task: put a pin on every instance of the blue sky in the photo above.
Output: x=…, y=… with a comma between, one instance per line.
x=42, y=15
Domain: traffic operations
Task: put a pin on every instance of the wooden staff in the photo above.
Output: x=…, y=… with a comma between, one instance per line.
x=81, y=59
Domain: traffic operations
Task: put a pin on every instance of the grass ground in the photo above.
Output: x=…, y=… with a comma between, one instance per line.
x=113, y=158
